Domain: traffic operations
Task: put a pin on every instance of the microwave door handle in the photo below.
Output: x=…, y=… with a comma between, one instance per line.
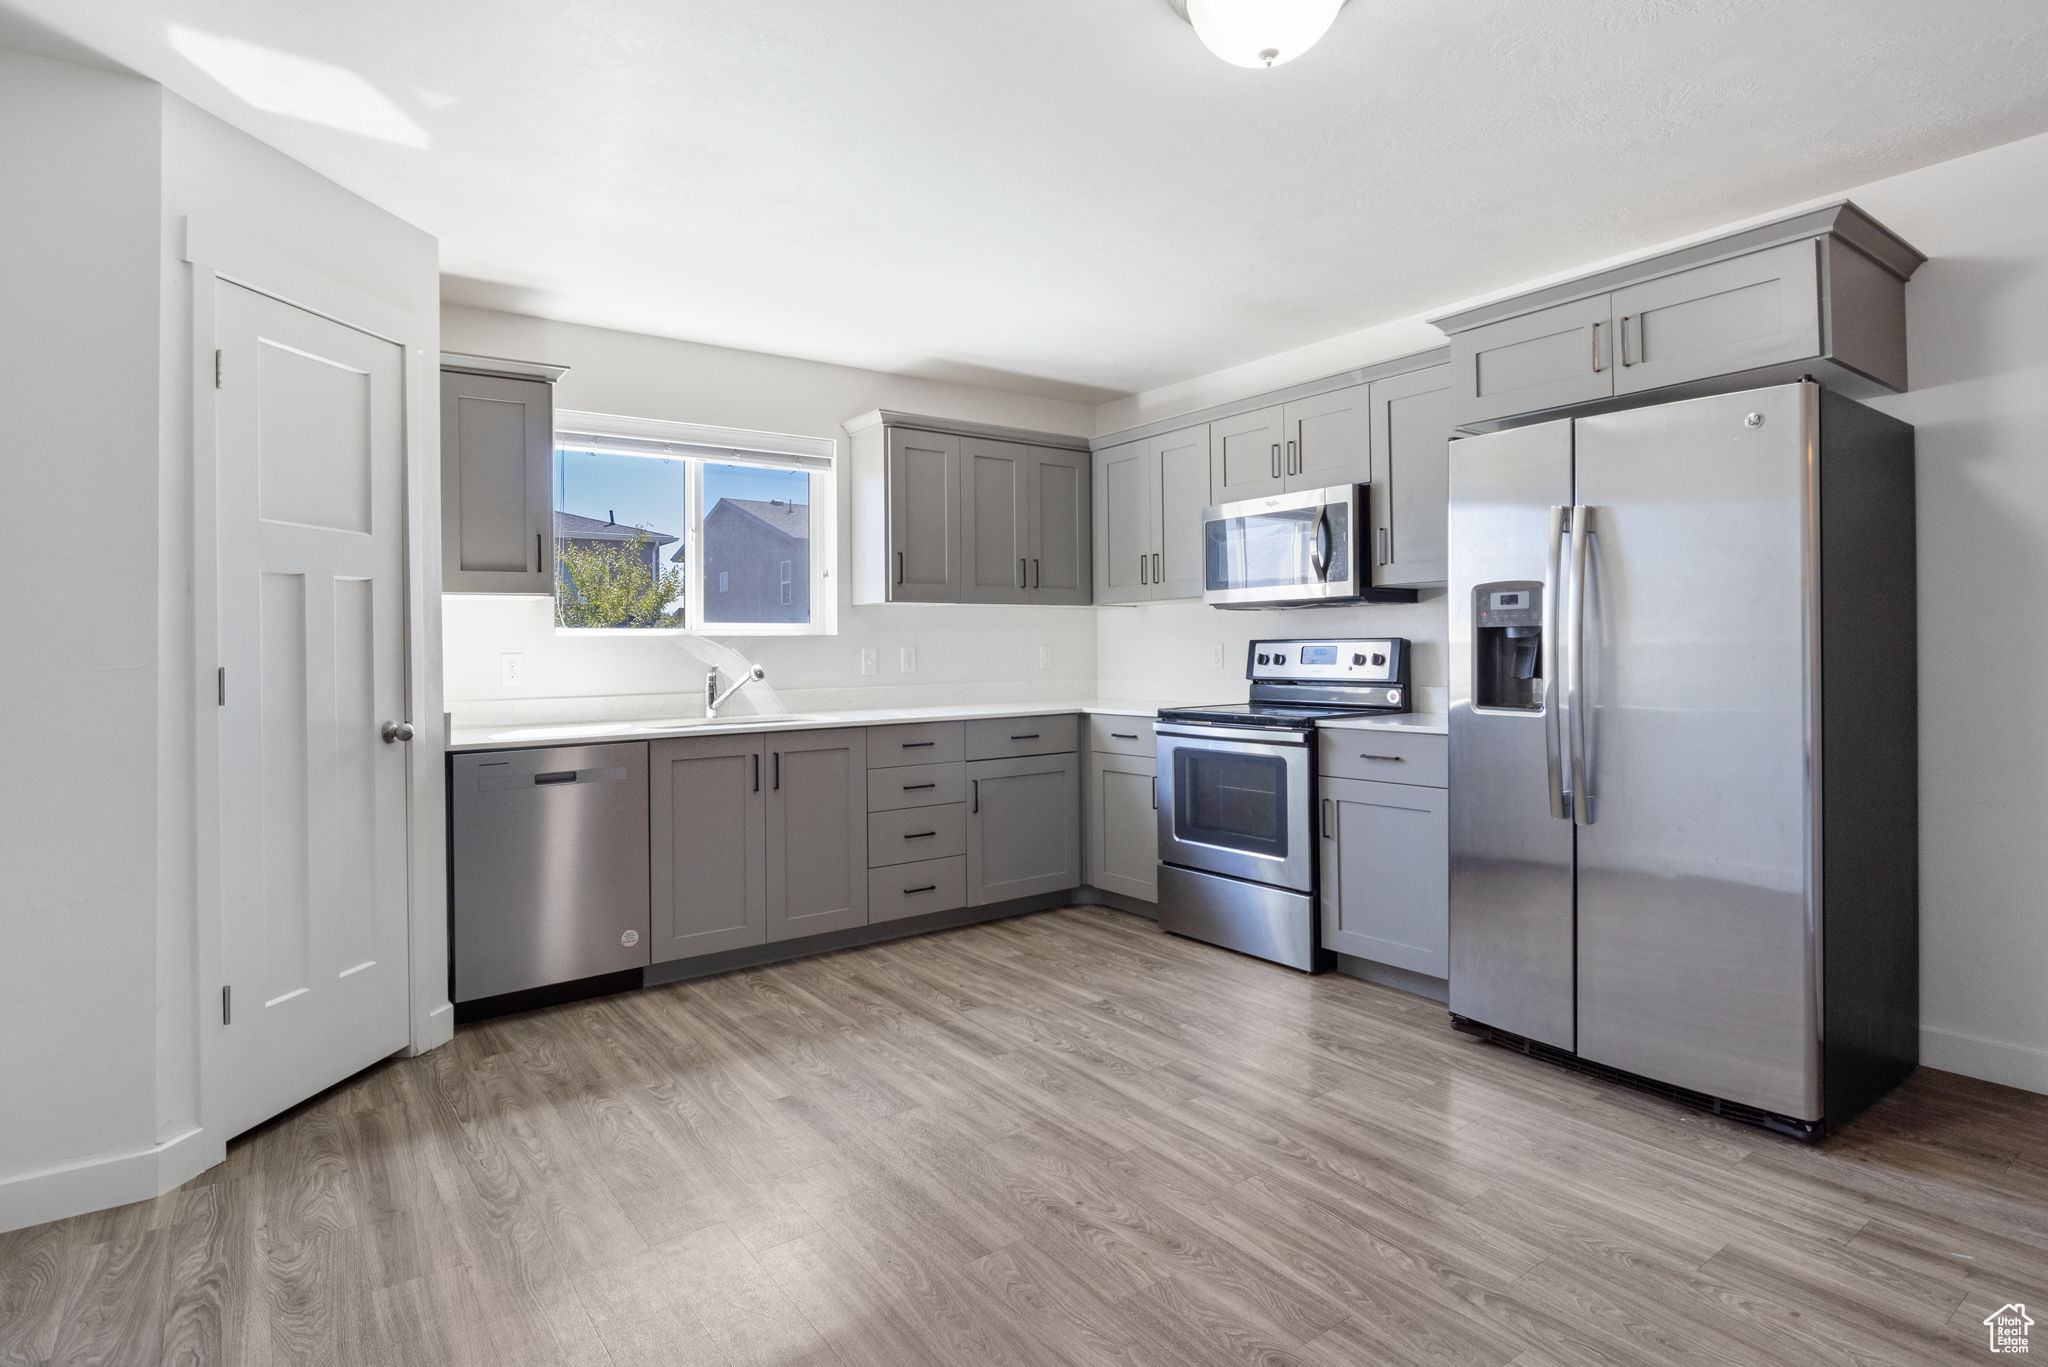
x=1321, y=554
x=1553, y=693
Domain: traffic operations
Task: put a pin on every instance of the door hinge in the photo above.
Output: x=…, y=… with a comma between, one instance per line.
x=227, y=1006
x=220, y=686
x=219, y=367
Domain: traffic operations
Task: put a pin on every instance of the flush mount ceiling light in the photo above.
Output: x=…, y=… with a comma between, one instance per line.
x=1259, y=33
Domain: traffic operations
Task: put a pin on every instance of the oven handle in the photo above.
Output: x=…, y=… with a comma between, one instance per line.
x=1244, y=734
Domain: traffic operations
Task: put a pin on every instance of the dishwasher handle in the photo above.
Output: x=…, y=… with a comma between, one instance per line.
x=489, y=782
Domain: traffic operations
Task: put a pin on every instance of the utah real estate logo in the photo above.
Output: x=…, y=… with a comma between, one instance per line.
x=2008, y=1328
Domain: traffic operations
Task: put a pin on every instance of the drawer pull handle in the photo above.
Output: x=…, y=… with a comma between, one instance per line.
x=920, y=835
x=918, y=787
x=928, y=887
x=919, y=744
x=1032, y=736
x=1387, y=759
x=1123, y=735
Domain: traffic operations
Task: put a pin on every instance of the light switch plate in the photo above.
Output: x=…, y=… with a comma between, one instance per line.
x=1216, y=655
x=512, y=670
x=870, y=660
x=1045, y=657
x=906, y=659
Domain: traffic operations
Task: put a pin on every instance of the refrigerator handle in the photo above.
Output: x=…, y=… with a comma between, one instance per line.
x=1553, y=695
x=1575, y=649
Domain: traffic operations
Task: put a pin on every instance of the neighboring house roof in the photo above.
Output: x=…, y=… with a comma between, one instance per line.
x=577, y=527
x=793, y=520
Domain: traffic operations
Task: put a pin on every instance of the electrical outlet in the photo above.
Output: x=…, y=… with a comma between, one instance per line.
x=512, y=670
x=870, y=660
x=1045, y=657
x=1216, y=655
x=906, y=659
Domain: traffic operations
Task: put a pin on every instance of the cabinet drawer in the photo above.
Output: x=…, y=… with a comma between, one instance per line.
x=1385, y=757
x=916, y=785
x=913, y=833
x=929, y=742
x=1003, y=737
x=916, y=889
x=1121, y=736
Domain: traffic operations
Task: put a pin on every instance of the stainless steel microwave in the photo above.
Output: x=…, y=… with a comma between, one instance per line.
x=1297, y=549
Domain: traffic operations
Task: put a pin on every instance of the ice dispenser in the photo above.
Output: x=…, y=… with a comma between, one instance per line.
x=1507, y=672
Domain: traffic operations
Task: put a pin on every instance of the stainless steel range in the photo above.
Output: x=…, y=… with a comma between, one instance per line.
x=1237, y=782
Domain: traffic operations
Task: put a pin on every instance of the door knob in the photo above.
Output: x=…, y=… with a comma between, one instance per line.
x=395, y=731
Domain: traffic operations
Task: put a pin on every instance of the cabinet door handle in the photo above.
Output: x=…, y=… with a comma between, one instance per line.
x=928, y=887
x=1379, y=541
x=778, y=771
x=899, y=567
x=1157, y=577
x=1155, y=794
x=1625, y=359
x=1387, y=759
x=1123, y=735
x=1023, y=579
x=1596, y=347
x=540, y=553
x=1037, y=579
x=757, y=771
x=1293, y=458
x=918, y=787
x=977, y=794
x=1141, y=569
x=1329, y=826
x=920, y=835
x=1276, y=460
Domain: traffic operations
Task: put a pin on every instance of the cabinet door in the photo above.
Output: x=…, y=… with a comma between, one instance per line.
x=1180, y=469
x=1411, y=478
x=817, y=832
x=1247, y=455
x=1329, y=439
x=1754, y=310
x=1386, y=873
x=1123, y=522
x=497, y=483
x=707, y=815
x=924, y=515
x=1057, y=508
x=1123, y=825
x=995, y=550
x=1023, y=827
x=1555, y=356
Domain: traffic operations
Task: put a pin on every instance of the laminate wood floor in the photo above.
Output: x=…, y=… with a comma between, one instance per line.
x=1060, y=1139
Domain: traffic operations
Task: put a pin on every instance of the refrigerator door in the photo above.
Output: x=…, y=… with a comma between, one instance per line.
x=1511, y=851
x=1696, y=959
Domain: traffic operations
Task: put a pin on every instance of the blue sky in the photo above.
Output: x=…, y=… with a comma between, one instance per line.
x=647, y=491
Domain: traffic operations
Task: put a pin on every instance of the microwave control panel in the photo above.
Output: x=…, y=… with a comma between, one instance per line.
x=1380, y=659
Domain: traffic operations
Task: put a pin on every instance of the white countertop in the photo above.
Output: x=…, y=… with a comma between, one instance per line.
x=587, y=733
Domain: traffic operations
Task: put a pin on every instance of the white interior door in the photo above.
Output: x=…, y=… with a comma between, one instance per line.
x=311, y=525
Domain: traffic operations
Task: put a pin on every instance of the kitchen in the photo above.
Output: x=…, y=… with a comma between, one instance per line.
x=1054, y=594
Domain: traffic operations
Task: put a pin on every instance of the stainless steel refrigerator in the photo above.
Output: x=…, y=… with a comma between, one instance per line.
x=1683, y=790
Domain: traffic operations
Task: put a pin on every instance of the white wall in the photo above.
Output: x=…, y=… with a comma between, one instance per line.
x=78, y=876
x=620, y=372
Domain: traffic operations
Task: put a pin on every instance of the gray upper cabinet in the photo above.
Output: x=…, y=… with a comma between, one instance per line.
x=1410, y=483
x=1820, y=293
x=817, y=831
x=1247, y=455
x=1023, y=827
x=497, y=481
x=947, y=512
x=1328, y=439
x=708, y=818
x=1386, y=873
x=1753, y=311
x=923, y=545
x=1148, y=529
x=995, y=555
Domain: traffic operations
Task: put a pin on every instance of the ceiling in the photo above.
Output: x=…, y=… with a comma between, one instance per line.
x=1068, y=197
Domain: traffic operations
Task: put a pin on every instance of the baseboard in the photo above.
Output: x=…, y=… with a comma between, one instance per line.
x=1117, y=901
x=433, y=1032
x=35, y=1198
x=2013, y=1065
x=1401, y=979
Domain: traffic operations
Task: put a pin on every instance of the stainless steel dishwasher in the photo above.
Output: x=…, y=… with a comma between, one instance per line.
x=549, y=867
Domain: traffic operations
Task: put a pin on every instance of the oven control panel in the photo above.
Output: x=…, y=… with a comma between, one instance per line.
x=1381, y=659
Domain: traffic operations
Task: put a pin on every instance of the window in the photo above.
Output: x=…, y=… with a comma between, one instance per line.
x=673, y=527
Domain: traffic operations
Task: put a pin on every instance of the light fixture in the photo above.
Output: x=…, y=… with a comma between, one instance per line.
x=1259, y=33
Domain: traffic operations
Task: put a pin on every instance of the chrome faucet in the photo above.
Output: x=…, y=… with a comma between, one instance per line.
x=713, y=699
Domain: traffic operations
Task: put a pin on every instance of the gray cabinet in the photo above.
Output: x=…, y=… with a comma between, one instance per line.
x=954, y=513
x=1410, y=481
x=1328, y=439
x=707, y=817
x=1023, y=827
x=497, y=482
x=1820, y=293
x=1148, y=529
x=817, y=831
x=1123, y=824
x=1247, y=455
x=1386, y=873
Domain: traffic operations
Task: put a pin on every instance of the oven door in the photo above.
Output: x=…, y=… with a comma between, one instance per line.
x=1290, y=548
x=1236, y=801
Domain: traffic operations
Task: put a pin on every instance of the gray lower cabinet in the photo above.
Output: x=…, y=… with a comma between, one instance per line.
x=708, y=819
x=497, y=484
x=1023, y=827
x=817, y=831
x=1386, y=873
x=901, y=891
x=1123, y=824
x=1411, y=478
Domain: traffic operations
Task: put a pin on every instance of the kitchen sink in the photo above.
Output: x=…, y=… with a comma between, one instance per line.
x=743, y=722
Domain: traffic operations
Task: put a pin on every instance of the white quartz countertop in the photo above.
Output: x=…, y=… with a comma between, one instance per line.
x=1413, y=723
x=590, y=733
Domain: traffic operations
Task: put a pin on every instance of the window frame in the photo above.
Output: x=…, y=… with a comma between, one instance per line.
x=698, y=445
